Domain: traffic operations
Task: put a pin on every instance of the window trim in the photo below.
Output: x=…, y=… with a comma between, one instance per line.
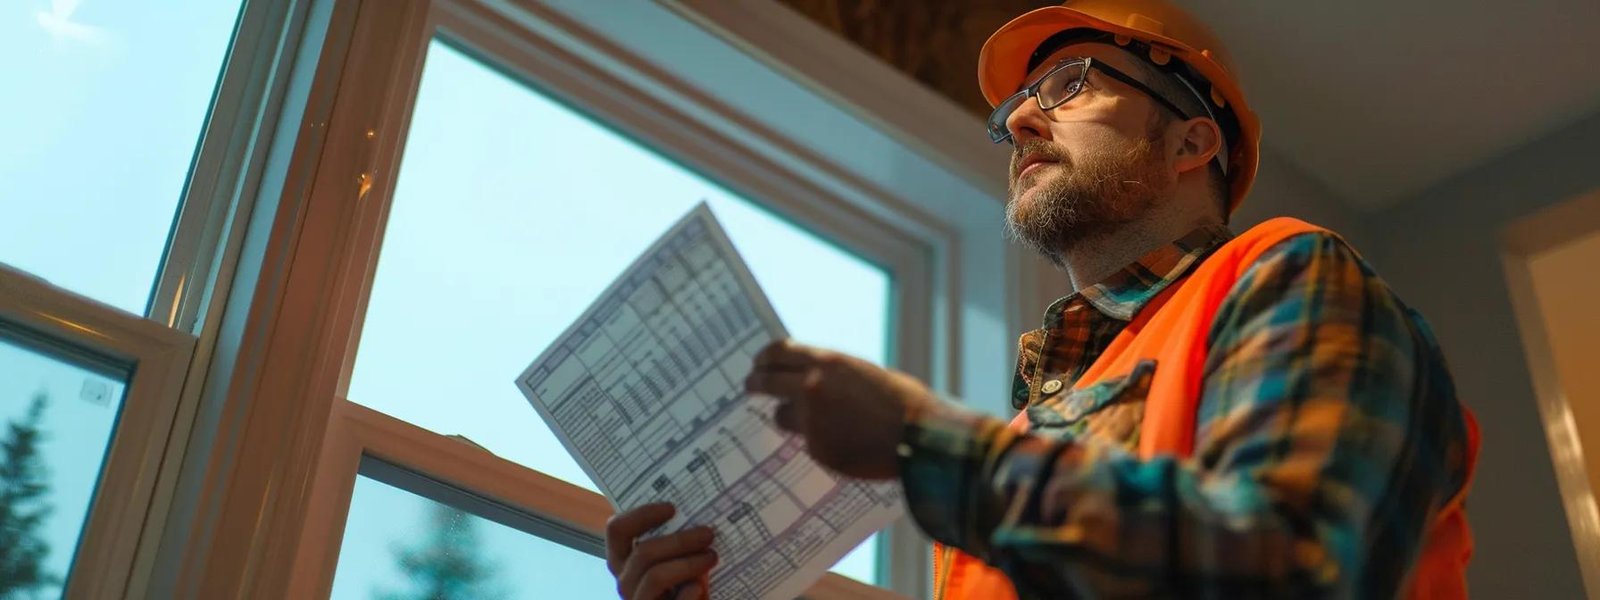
x=154, y=359
x=863, y=84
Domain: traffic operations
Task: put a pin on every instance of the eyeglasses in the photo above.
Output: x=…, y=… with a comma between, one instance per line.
x=1060, y=84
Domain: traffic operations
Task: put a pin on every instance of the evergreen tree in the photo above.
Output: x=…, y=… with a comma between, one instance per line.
x=447, y=564
x=24, y=506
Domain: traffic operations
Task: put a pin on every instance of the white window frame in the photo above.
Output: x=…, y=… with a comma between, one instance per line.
x=153, y=359
x=271, y=405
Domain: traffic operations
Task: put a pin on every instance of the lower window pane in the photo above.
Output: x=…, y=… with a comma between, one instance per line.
x=56, y=419
x=401, y=546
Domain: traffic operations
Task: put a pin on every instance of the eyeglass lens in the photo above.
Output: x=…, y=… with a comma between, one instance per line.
x=1055, y=88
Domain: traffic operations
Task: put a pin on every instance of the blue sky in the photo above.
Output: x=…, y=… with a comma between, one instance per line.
x=100, y=122
x=512, y=212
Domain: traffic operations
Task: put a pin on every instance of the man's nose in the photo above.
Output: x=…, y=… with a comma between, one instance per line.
x=1028, y=122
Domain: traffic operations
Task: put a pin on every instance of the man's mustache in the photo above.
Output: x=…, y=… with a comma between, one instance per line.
x=1042, y=148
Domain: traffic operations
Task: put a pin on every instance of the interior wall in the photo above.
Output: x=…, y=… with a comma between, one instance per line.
x=1442, y=251
x=1283, y=189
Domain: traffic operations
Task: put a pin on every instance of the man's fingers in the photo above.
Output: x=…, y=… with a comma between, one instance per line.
x=648, y=554
x=624, y=528
x=692, y=591
x=771, y=354
x=787, y=417
x=785, y=354
x=663, y=577
x=783, y=384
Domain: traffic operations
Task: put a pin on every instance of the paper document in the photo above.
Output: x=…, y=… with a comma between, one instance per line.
x=646, y=392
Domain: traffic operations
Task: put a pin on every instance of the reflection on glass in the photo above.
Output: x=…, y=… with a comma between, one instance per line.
x=401, y=546
x=103, y=103
x=55, y=421
x=512, y=213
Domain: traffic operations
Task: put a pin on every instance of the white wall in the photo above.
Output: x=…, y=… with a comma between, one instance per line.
x=1441, y=251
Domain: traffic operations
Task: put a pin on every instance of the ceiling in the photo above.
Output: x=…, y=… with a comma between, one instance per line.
x=1378, y=99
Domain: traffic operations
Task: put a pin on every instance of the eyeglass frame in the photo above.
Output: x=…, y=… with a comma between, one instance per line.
x=998, y=132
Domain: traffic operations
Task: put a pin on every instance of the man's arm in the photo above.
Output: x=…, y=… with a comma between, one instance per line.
x=1309, y=475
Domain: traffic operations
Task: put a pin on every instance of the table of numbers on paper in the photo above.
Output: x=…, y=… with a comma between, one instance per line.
x=646, y=391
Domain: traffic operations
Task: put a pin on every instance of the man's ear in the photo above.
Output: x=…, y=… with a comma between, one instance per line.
x=1200, y=141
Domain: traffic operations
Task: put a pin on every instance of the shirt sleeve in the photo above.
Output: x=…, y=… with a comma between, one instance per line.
x=1319, y=458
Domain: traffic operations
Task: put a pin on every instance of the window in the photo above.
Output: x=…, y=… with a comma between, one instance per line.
x=56, y=419
x=220, y=152
x=105, y=102
x=511, y=214
x=379, y=309
x=398, y=544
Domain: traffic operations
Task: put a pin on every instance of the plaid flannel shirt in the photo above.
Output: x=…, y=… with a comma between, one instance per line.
x=1327, y=438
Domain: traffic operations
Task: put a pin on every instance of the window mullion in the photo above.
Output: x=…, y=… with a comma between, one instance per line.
x=268, y=410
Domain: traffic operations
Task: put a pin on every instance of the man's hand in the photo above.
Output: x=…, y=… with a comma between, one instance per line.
x=850, y=412
x=670, y=566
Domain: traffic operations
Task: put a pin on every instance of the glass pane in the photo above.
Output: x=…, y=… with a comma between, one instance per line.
x=512, y=213
x=56, y=420
x=103, y=107
x=399, y=546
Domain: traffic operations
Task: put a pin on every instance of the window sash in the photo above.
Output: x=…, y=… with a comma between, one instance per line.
x=103, y=338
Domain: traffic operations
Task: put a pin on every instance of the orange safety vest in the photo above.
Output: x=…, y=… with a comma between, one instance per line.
x=1172, y=330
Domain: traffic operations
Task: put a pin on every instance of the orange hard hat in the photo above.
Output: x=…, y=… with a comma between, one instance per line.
x=1169, y=33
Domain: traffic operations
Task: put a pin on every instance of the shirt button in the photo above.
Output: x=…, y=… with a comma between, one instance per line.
x=1051, y=387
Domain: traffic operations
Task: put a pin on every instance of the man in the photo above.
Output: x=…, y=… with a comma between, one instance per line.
x=1207, y=415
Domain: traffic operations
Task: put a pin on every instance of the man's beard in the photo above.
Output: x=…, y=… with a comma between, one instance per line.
x=1085, y=199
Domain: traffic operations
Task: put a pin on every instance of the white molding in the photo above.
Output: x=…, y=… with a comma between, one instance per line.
x=1520, y=243
x=852, y=78
x=565, y=59
x=157, y=358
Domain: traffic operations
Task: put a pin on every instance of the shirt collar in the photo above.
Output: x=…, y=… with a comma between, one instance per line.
x=1121, y=295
